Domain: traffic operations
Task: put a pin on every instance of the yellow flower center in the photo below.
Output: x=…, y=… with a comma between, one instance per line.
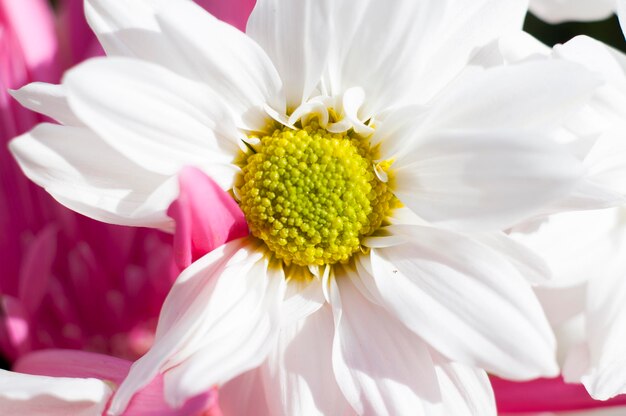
x=311, y=195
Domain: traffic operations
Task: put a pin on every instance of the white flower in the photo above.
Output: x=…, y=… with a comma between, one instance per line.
x=557, y=11
x=584, y=250
x=362, y=146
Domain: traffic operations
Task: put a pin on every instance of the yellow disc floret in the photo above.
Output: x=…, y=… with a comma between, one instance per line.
x=312, y=195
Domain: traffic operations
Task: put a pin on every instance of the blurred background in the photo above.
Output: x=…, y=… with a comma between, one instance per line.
x=607, y=31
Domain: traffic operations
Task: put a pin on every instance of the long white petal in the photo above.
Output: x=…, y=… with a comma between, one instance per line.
x=47, y=99
x=406, y=51
x=85, y=174
x=219, y=320
x=128, y=28
x=298, y=375
x=154, y=117
x=381, y=367
x=465, y=299
x=485, y=181
x=233, y=65
x=296, y=35
x=466, y=391
x=25, y=394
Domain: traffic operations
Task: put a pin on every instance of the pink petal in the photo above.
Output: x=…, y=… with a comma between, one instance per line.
x=206, y=217
x=546, y=395
x=149, y=401
x=36, y=269
x=32, y=22
x=235, y=12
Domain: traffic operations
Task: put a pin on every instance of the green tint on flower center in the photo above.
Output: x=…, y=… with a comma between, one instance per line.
x=311, y=195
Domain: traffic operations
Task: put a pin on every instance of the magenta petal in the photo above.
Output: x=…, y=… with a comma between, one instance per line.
x=32, y=22
x=36, y=269
x=206, y=217
x=235, y=12
x=148, y=402
x=546, y=395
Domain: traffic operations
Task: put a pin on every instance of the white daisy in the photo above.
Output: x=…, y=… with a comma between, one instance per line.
x=361, y=145
x=585, y=298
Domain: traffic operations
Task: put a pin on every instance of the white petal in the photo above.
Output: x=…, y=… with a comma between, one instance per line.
x=592, y=238
x=219, y=320
x=381, y=367
x=466, y=300
x=298, y=375
x=302, y=298
x=529, y=263
x=484, y=181
x=244, y=395
x=25, y=394
x=528, y=95
x=606, y=320
x=406, y=51
x=47, y=99
x=295, y=34
x=127, y=28
x=88, y=176
x=154, y=117
x=233, y=65
x=557, y=11
x=466, y=391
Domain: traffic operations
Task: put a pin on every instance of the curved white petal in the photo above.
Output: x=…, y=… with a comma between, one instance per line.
x=25, y=394
x=47, y=99
x=381, y=367
x=219, y=320
x=233, y=65
x=154, y=117
x=296, y=35
x=127, y=28
x=85, y=174
x=298, y=374
x=484, y=181
x=467, y=301
x=406, y=51
x=557, y=11
x=466, y=391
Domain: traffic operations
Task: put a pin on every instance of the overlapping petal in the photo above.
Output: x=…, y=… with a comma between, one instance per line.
x=298, y=375
x=407, y=51
x=145, y=126
x=82, y=172
x=219, y=320
x=450, y=298
x=381, y=367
